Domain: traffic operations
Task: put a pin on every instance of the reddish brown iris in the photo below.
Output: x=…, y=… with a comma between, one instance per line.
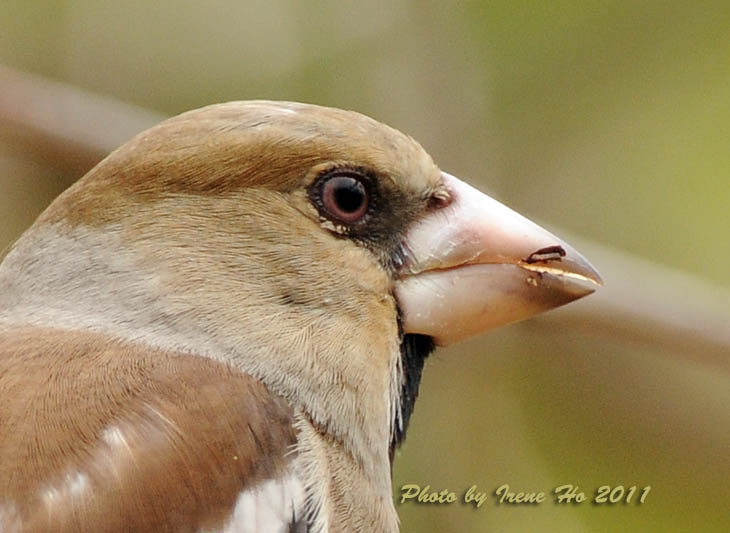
x=345, y=198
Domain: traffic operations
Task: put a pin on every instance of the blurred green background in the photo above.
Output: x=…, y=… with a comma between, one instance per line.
x=608, y=119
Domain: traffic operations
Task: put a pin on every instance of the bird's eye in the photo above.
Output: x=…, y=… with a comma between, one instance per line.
x=344, y=197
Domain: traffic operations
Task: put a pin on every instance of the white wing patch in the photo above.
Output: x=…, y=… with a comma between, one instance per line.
x=9, y=518
x=272, y=506
x=73, y=487
x=114, y=437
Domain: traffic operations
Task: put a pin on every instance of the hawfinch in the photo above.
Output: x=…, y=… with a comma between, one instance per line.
x=222, y=326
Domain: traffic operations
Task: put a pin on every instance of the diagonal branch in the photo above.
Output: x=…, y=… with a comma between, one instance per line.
x=67, y=126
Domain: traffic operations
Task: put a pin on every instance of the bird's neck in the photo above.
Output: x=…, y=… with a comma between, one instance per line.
x=345, y=387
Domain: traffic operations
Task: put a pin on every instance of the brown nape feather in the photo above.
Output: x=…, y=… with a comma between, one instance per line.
x=114, y=436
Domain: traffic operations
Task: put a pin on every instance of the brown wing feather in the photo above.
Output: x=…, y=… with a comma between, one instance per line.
x=102, y=435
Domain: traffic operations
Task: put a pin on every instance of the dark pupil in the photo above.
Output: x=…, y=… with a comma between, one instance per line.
x=349, y=194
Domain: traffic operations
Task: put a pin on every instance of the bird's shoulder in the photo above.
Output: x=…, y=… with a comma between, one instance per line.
x=102, y=432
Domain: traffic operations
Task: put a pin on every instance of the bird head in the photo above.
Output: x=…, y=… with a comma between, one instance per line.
x=318, y=250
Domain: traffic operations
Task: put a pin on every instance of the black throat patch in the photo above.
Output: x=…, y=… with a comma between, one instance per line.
x=414, y=349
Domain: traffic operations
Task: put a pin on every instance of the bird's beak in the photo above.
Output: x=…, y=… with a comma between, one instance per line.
x=475, y=264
